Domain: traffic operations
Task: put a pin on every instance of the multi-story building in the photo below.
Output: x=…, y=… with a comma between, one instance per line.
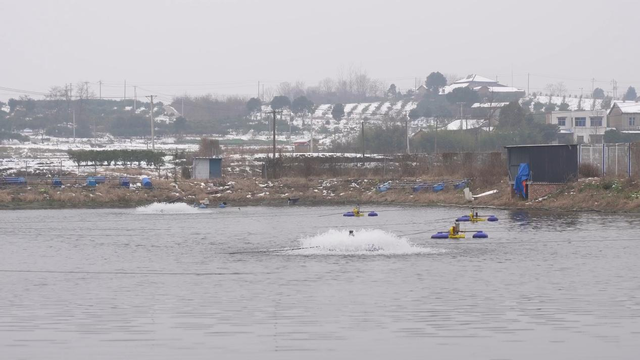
x=584, y=126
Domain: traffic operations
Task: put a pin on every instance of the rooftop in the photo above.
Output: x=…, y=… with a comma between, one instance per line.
x=628, y=107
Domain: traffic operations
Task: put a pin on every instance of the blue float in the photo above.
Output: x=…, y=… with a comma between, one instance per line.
x=440, y=235
x=373, y=213
x=480, y=235
x=464, y=218
x=222, y=205
x=349, y=213
x=492, y=218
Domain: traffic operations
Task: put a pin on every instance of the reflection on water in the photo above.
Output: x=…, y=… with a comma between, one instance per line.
x=170, y=282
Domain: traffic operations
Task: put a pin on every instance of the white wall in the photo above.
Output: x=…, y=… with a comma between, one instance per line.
x=583, y=131
x=200, y=168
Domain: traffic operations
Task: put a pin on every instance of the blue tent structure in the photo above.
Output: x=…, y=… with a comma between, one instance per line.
x=519, y=183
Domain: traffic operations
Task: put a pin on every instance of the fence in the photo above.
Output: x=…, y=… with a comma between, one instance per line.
x=618, y=160
x=463, y=165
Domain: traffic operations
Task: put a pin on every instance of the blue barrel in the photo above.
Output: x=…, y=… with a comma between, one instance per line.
x=100, y=179
x=56, y=182
x=91, y=181
x=438, y=187
x=124, y=182
x=146, y=183
x=461, y=185
x=419, y=187
x=349, y=213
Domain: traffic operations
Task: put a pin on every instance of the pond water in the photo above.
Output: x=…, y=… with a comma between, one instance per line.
x=174, y=282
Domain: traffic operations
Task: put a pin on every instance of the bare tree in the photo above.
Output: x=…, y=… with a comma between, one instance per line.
x=83, y=91
x=557, y=89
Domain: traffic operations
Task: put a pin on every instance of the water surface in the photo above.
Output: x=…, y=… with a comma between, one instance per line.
x=171, y=282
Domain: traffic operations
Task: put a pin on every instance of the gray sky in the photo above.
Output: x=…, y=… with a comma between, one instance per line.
x=226, y=47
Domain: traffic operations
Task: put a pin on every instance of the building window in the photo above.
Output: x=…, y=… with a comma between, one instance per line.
x=562, y=121
x=632, y=121
x=596, y=121
x=581, y=121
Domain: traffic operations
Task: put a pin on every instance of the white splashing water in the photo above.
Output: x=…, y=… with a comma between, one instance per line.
x=166, y=208
x=364, y=242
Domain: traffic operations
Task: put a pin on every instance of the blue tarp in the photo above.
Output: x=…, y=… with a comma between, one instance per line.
x=523, y=174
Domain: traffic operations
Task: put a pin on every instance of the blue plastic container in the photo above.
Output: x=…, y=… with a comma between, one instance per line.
x=124, y=182
x=91, y=182
x=100, y=179
x=146, y=183
x=461, y=185
x=56, y=182
x=438, y=187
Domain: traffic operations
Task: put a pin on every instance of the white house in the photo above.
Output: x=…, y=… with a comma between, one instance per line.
x=586, y=126
x=625, y=115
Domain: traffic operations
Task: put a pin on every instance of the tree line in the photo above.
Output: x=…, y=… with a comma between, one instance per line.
x=117, y=157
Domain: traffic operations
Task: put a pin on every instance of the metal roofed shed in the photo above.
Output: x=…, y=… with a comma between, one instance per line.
x=548, y=163
x=207, y=167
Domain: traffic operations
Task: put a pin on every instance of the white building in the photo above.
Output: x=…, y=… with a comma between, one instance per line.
x=586, y=126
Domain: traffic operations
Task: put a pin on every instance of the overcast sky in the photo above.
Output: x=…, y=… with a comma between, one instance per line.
x=226, y=47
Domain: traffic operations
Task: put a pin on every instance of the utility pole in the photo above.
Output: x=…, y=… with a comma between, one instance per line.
x=182, y=110
x=406, y=124
x=135, y=98
x=528, y=78
x=435, y=140
x=86, y=89
x=274, y=134
x=100, y=91
x=362, y=142
x=259, y=90
x=74, y=125
x=593, y=81
x=153, y=139
x=125, y=89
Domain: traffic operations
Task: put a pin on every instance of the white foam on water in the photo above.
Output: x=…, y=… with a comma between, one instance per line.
x=364, y=242
x=166, y=208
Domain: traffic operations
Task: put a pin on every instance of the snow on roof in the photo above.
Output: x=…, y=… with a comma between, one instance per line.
x=475, y=78
x=574, y=103
x=490, y=105
x=449, y=88
x=628, y=107
x=464, y=124
x=504, y=89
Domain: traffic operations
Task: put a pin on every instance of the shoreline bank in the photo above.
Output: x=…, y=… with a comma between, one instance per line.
x=593, y=195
